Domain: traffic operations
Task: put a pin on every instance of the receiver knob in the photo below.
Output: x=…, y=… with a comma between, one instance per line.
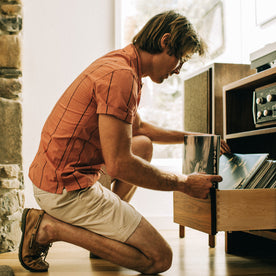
x=271, y=97
x=267, y=112
x=259, y=114
x=260, y=100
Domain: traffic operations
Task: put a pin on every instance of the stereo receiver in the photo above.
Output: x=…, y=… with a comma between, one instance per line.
x=264, y=105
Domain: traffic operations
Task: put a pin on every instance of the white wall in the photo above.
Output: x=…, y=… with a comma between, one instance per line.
x=61, y=37
x=255, y=36
x=242, y=33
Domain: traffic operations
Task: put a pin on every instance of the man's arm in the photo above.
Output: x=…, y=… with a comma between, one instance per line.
x=158, y=134
x=116, y=135
x=166, y=136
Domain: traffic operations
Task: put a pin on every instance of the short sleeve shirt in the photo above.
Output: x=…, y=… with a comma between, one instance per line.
x=69, y=154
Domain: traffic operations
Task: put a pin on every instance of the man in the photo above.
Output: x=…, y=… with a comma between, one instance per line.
x=95, y=123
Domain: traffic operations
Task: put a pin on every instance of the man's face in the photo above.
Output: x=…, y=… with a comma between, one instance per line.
x=165, y=65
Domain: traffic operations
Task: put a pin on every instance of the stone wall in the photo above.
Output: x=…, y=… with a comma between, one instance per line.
x=11, y=176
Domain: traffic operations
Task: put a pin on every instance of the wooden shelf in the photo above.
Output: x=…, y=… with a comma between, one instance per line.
x=251, y=133
x=238, y=104
x=243, y=136
x=253, y=81
x=268, y=234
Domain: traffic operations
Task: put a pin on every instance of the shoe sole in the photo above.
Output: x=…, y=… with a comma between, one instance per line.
x=23, y=226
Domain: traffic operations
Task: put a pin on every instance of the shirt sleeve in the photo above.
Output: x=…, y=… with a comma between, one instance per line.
x=117, y=95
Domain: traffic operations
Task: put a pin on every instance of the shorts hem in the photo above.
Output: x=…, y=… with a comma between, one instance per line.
x=125, y=235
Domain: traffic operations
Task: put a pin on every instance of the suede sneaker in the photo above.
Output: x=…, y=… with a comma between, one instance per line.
x=31, y=254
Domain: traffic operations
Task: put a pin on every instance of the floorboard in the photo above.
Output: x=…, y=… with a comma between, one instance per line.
x=192, y=257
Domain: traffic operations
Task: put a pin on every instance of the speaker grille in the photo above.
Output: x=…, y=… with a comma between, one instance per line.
x=197, y=103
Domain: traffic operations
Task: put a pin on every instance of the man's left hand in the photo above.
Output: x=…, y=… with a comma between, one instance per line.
x=224, y=148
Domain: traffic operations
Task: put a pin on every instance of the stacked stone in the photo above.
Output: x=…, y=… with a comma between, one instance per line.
x=11, y=180
x=11, y=206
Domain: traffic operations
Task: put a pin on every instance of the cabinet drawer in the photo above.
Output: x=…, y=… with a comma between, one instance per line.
x=239, y=210
x=192, y=212
x=236, y=210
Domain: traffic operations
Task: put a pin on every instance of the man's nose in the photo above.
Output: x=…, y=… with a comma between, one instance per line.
x=175, y=71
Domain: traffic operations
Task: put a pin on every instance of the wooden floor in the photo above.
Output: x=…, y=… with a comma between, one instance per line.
x=192, y=257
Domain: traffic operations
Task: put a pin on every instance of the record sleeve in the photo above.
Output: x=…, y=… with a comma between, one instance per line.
x=238, y=169
x=201, y=154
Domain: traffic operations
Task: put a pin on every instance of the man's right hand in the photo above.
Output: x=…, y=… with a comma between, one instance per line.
x=197, y=184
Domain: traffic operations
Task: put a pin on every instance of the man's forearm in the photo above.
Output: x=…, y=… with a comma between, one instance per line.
x=163, y=136
x=122, y=164
x=139, y=172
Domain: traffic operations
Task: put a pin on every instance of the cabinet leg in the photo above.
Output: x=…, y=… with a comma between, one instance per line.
x=212, y=241
x=181, y=231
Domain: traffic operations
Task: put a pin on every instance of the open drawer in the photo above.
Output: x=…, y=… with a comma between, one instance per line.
x=234, y=210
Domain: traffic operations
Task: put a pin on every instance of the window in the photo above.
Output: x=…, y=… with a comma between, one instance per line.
x=162, y=104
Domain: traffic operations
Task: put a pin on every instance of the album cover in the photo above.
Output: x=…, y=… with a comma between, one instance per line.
x=201, y=154
x=238, y=170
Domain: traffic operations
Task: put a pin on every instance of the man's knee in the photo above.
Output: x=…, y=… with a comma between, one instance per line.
x=142, y=146
x=148, y=148
x=157, y=251
x=164, y=261
x=161, y=262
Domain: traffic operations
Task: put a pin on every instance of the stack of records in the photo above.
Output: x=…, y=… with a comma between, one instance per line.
x=247, y=171
x=265, y=177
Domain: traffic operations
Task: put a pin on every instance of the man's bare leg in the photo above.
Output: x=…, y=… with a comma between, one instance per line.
x=142, y=147
x=145, y=251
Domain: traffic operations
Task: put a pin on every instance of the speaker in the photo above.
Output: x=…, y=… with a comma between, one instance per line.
x=198, y=103
x=203, y=93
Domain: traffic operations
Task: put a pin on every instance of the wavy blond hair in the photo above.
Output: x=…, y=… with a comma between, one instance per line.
x=183, y=37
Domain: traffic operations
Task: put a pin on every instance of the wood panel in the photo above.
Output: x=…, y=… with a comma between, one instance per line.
x=223, y=74
x=192, y=212
x=253, y=81
x=239, y=210
x=268, y=234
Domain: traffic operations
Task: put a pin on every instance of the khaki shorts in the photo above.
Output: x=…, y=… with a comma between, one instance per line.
x=95, y=208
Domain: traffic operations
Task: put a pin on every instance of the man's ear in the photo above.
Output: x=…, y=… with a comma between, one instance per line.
x=165, y=40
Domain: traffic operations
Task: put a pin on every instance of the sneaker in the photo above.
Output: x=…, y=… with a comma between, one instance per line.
x=31, y=254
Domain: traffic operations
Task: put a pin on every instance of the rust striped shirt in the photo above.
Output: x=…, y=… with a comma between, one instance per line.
x=69, y=154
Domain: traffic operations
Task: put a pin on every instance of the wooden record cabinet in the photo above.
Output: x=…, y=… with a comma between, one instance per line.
x=237, y=212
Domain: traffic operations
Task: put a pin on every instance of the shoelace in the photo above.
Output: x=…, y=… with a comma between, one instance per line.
x=40, y=251
x=44, y=251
